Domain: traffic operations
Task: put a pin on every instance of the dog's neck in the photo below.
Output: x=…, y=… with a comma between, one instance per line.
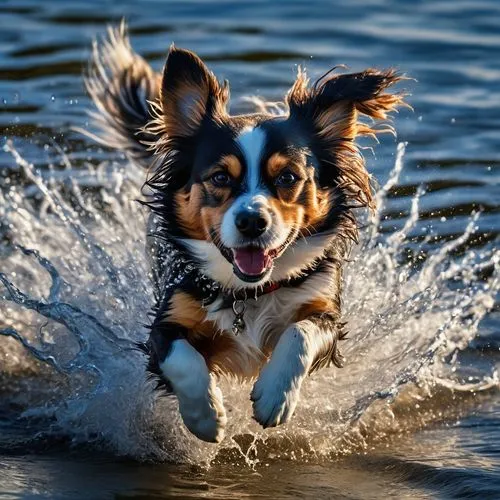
x=181, y=270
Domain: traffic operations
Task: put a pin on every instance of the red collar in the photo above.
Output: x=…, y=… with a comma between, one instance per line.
x=254, y=293
x=271, y=286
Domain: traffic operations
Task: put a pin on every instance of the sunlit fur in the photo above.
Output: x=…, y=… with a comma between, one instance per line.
x=300, y=176
x=323, y=122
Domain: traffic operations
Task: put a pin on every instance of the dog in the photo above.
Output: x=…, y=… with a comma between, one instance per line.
x=252, y=218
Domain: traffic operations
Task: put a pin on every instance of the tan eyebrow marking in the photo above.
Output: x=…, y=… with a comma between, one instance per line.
x=276, y=163
x=232, y=164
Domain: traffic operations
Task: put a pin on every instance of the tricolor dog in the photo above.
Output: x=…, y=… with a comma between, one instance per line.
x=251, y=221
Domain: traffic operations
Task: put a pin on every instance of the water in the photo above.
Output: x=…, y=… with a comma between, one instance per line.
x=415, y=411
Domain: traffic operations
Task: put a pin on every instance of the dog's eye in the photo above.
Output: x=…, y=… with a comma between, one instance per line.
x=220, y=179
x=286, y=179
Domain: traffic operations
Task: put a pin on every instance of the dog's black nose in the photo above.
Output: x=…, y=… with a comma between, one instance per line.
x=251, y=224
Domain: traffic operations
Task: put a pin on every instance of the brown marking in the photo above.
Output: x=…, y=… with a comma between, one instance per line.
x=224, y=356
x=291, y=213
x=220, y=349
x=232, y=165
x=188, y=208
x=286, y=202
x=185, y=310
x=316, y=203
x=339, y=121
x=194, y=218
x=229, y=164
x=276, y=163
x=316, y=306
x=197, y=220
x=303, y=205
x=211, y=217
x=335, y=103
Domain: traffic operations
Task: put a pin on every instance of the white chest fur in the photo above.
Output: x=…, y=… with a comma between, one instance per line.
x=269, y=316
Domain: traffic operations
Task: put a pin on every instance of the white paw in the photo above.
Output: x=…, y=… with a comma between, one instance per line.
x=276, y=392
x=275, y=396
x=205, y=417
x=200, y=400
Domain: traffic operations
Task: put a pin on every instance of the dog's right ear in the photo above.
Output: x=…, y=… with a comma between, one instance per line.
x=189, y=93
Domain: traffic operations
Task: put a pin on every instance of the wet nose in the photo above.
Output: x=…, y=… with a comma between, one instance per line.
x=252, y=224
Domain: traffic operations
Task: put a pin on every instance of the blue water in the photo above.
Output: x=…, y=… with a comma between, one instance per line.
x=415, y=412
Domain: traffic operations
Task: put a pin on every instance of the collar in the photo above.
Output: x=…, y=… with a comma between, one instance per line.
x=186, y=273
x=243, y=294
x=236, y=299
x=255, y=293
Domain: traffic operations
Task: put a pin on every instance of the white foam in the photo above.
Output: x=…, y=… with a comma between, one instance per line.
x=402, y=322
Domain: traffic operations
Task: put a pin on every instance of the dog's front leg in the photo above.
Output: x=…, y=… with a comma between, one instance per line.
x=200, y=400
x=304, y=346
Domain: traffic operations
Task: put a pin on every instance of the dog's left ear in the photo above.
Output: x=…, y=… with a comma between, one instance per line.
x=189, y=93
x=333, y=104
x=330, y=109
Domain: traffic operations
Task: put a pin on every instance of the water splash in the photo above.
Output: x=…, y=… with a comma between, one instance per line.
x=76, y=292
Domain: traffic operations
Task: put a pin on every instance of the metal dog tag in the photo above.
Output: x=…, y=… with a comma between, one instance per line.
x=239, y=322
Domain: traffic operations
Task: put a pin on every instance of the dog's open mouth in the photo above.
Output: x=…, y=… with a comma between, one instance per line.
x=252, y=263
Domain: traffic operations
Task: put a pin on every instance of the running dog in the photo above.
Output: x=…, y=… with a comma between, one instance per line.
x=252, y=217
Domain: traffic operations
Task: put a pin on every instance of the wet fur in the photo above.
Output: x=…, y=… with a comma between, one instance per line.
x=177, y=126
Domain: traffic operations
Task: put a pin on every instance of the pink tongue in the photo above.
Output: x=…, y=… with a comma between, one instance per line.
x=252, y=261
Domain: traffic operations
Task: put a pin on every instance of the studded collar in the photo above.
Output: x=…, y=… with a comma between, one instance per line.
x=185, y=273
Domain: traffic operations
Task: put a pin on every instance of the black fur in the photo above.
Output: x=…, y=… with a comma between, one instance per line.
x=187, y=130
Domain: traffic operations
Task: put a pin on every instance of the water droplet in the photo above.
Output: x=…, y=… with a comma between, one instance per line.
x=52, y=97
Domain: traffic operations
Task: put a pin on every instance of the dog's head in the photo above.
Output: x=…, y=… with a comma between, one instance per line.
x=258, y=197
